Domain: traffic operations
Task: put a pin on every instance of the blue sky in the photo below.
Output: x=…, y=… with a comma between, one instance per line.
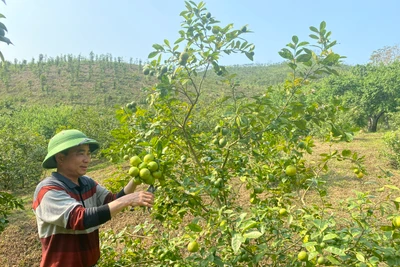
x=129, y=28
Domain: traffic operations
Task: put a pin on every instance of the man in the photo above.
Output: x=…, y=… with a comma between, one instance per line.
x=70, y=206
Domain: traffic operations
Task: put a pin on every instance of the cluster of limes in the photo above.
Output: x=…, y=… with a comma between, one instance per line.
x=145, y=170
x=303, y=256
x=219, y=138
x=358, y=173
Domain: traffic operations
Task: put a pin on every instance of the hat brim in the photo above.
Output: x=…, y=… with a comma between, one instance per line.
x=49, y=162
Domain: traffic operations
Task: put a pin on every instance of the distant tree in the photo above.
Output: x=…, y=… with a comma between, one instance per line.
x=370, y=89
x=43, y=81
x=385, y=55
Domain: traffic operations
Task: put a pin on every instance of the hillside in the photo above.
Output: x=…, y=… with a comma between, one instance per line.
x=101, y=80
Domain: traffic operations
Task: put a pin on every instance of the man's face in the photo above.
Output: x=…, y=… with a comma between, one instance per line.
x=75, y=163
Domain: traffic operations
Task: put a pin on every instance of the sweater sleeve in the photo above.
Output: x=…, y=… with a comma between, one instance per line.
x=83, y=218
x=104, y=196
x=54, y=205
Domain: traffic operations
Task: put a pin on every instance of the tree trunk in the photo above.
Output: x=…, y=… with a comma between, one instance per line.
x=373, y=122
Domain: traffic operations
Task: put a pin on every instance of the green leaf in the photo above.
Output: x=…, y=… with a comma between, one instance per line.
x=153, y=54
x=292, y=66
x=337, y=251
x=303, y=58
x=333, y=260
x=301, y=124
x=1, y=57
x=249, y=55
x=286, y=54
x=322, y=26
x=295, y=39
x=360, y=257
x=249, y=224
x=158, y=47
x=2, y=26
x=195, y=227
x=392, y=187
x=312, y=28
x=236, y=242
x=5, y=39
x=291, y=46
x=179, y=40
x=346, y=153
x=2, y=16
x=252, y=234
x=166, y=42
x=330, y=45
x=329, y=237
x=303, y=44
x=314, y=36
x=310, y=244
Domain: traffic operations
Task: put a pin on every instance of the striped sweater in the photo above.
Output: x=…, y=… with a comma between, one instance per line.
x=68, y=217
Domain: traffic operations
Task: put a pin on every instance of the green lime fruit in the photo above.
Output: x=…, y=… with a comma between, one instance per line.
x=152, y=166
x=149, y=180
x=184, y=56
x=147, y=158
x=137, y=181
x=144, y=174
x=396, y=221
x=146, y=71
x=157, y=174
x=135, y=160
x=193, y=246
x=282, y=211
x=183, y=159
x=215, y=30
x=321, y=260
x=291, y=170
x=217, y=129
x=133, y=171
x=360, y=175
x=126, y=157
x=302, y=145
x=164, y=70
x=224, y=131
x=223, y=224
x=258, y=190
x=302, y=256
x=222, y=142
x=142, y=165
x=182, y=62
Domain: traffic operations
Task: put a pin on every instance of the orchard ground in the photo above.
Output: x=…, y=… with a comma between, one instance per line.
x=19, y=244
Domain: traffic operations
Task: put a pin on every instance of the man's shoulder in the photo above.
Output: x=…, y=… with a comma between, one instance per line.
x=87, y=180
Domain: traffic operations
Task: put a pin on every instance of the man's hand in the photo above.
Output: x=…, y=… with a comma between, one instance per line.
x=141, y=198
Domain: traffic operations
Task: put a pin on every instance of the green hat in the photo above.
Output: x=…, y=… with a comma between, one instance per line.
x=64, y=140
